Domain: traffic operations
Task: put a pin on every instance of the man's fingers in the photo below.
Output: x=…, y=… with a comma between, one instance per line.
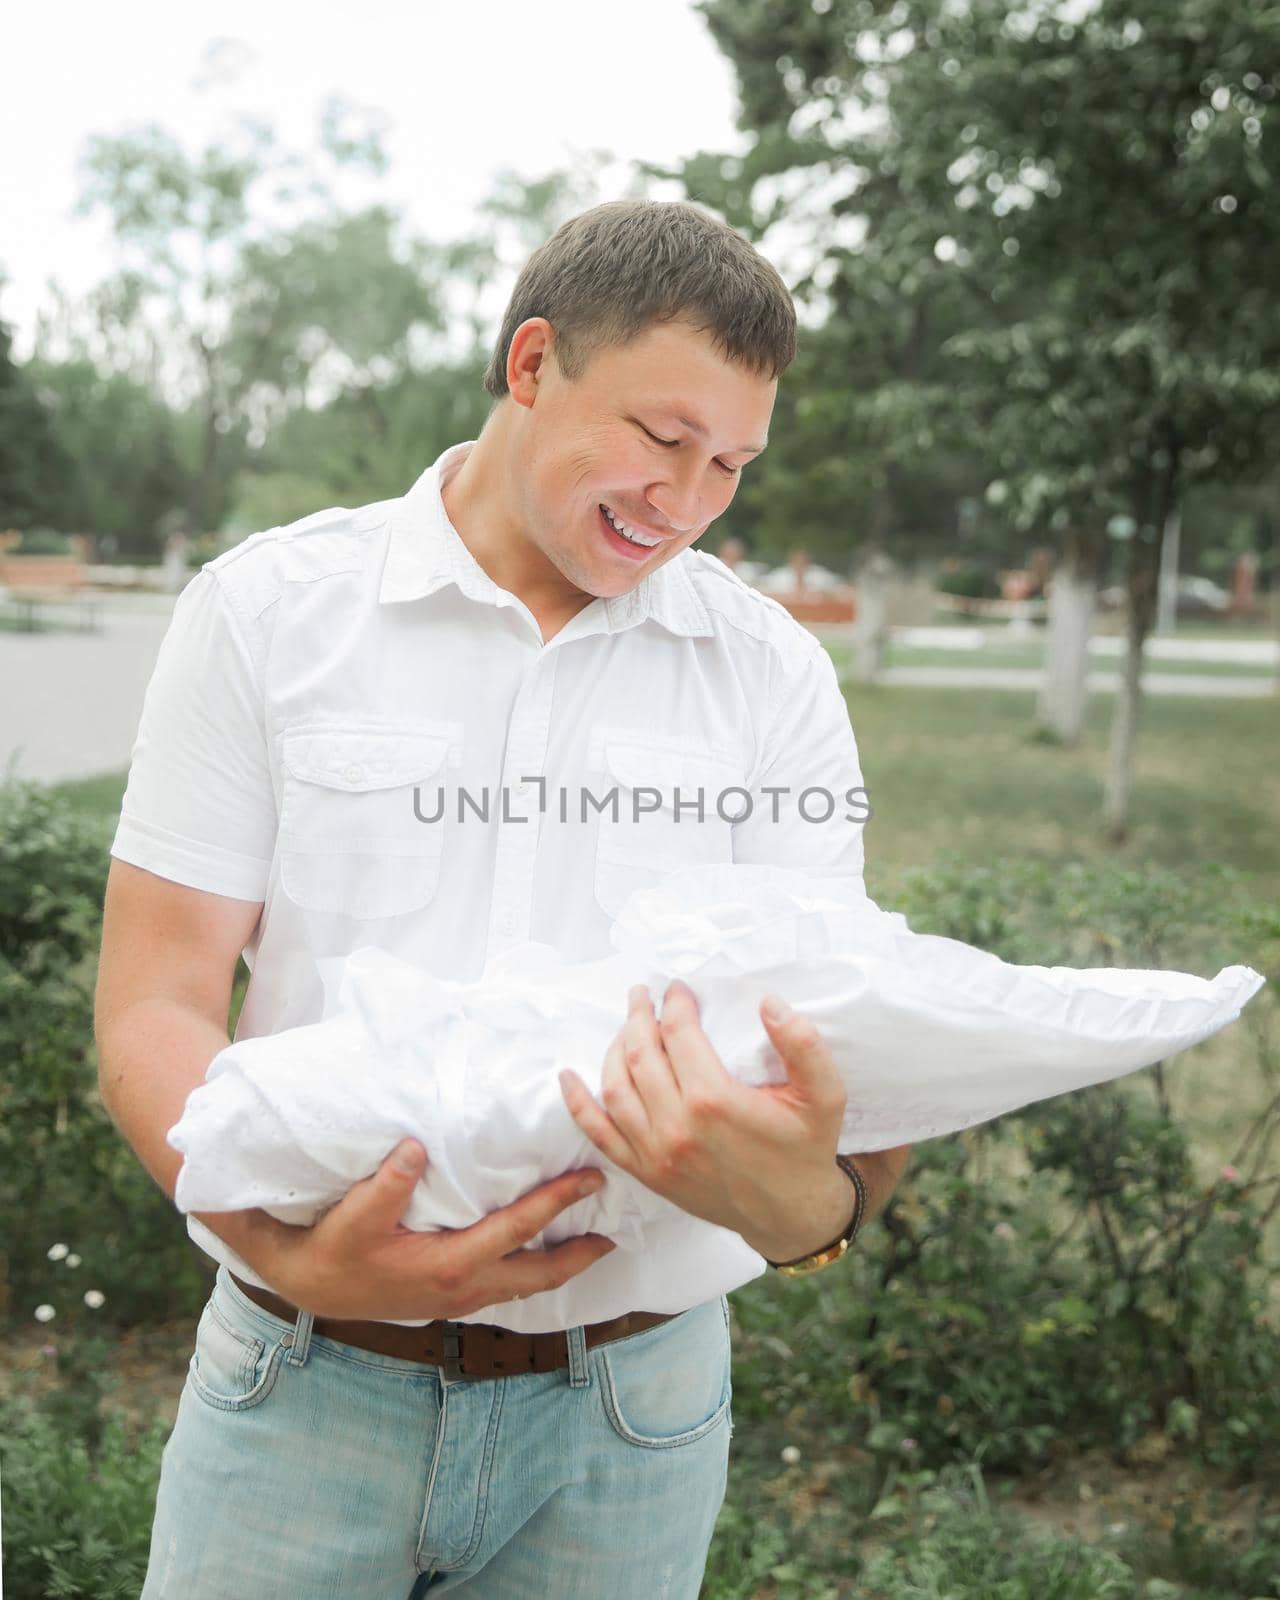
x=539, y=1270
x=596, y=1123
x=511, y=1227
x=643, y=1060
x=699, y=1072
x=530, y=1272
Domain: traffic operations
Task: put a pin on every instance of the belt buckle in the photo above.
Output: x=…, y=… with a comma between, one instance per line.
x=451, y=1366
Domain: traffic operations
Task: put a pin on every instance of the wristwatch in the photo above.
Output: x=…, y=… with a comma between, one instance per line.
x=837, y=1247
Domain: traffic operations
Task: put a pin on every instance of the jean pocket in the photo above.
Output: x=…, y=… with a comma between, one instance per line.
x=231, y=1368
x=353, y=839
x=663, y=808
x=671, y=1385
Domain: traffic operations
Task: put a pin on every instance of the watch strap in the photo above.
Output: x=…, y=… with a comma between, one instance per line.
x=832, y=1252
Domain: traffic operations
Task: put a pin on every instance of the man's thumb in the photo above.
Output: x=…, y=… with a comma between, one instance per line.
x=386, y=1191
x=408, y=1158
x=803, y=1050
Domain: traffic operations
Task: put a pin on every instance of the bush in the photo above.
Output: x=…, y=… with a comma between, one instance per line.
x=959, y=1545
x=969, y=583
x=940, y=1536
x=1059, y=1278
x=43, y=542
x=77, y=1522
x=66, y=1174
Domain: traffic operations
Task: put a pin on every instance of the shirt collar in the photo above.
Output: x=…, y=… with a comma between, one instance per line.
x=425, y=553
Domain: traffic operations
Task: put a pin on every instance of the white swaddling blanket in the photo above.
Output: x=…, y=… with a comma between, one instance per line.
x=929, y=1035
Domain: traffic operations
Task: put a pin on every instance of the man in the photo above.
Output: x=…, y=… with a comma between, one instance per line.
x=528, y=620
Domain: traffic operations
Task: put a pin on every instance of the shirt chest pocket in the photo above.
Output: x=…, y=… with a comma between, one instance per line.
x=666, y=809
x=352, y=840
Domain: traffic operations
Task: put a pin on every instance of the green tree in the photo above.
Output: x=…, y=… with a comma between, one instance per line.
x=121, y=472
x=382, y=343
x=870, y=456
x=365, y=444
x=1095, y=186
x=31, y=456
x=1122, y=161
x=233, y=313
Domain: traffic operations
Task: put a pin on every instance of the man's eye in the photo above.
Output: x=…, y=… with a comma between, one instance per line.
x=731, y=472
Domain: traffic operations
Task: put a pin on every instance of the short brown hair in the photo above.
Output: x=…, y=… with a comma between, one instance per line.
x=605, y=276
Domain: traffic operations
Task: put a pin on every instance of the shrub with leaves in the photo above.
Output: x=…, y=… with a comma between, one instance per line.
x=77, y=1522
x=66, y=1173
x=1060, y=1278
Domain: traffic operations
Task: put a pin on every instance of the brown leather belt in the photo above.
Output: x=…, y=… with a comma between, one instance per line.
x=462, y=1349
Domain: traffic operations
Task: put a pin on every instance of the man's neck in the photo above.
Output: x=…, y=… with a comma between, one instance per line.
x=484, y=521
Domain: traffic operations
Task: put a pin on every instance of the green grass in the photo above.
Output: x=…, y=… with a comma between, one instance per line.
x=952, y=770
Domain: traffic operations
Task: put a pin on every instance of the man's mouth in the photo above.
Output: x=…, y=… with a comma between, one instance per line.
x=634, y=536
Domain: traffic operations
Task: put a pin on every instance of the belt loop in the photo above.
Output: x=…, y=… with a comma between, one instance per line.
x=579, y=1372
x=300, y=1338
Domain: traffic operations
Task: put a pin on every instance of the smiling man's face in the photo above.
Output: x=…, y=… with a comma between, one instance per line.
x=653, y=437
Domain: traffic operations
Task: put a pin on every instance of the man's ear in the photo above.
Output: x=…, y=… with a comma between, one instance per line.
x=530, y=345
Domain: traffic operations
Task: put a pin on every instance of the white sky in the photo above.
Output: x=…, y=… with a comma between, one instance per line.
x=467, y=89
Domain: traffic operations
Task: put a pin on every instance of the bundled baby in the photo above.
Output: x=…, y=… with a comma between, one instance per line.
x=929, y=1035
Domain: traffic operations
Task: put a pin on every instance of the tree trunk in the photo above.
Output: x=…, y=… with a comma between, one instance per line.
x=201, y=492
x=1167, y=605
x=1072, y=601
x=1144, y=571
x=871, y=626
x=873, y=573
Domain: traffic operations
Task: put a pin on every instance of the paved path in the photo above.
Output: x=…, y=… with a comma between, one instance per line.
x=1237, y=652
x=72, y=700
x=1197, y=683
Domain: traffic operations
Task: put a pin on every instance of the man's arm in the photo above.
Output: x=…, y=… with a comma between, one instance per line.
x=165, y=976
x=164, y=989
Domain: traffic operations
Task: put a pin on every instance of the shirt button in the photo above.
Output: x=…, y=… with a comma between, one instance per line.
x=352, y=774
x=507, y=922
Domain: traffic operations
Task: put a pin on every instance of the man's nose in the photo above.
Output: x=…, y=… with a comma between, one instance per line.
x=678, y=501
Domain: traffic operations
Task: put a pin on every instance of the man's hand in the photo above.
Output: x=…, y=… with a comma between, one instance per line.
x=760, y=1161
x=359, y=1260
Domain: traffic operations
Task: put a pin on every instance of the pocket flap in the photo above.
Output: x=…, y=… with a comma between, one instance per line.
x=636, y=765
x=359, y=759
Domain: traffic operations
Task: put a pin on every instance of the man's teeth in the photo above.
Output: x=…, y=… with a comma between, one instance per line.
x=628, y=533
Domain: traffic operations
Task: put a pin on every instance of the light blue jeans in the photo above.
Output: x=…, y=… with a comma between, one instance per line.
x=300, y=1468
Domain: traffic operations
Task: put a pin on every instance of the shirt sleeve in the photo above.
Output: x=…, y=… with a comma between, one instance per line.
x=200, y=806
x=809, y=804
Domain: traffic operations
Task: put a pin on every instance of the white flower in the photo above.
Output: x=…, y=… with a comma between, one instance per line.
x=45, y=1313
x=73, y=1261
x=57, y=1251
x=790, y=1454
x=93, y=1298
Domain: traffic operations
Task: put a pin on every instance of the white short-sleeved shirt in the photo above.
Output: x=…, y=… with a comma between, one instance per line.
x=350, y=722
